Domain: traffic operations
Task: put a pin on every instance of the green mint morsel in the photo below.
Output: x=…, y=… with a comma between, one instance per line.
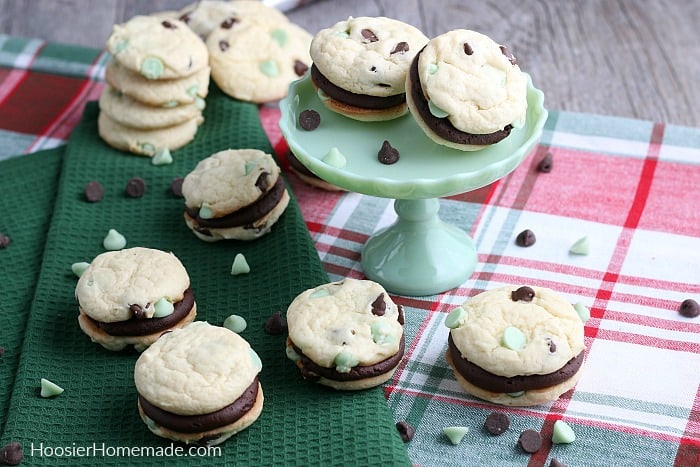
x=49, y=389
x=322, y=94
x=381, y=333
x=152, y=68
x=163, y=308
x=200, y=103
x=513, y=338
x=319, y=293
x=205, y=211
x=121, y=46
x=255, y=359
x=455, y=433
x=279, y=36
x=114, y=241
x=240, y=265
x=583, y=312
x=249, y=166
x=269, y=68
x=171, y=104
x=432, y=68
x=456, y=317
x=162, y=157
x=582, y=247
x=335, y=158
x=562, y=433
x=515, y=394
x=235, y=323
x=291, y=354
x=79, y=268
x=343, y=34
x=344, y=362
x=436, y=111
x=148, y=148
x=193, y=90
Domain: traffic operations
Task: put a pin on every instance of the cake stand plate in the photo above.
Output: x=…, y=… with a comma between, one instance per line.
x=419, y=254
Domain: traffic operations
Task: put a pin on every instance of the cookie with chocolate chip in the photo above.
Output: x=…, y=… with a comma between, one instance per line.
x=516, y=345
x=234, y=194
x=360, y=65
x=130, y=297
x=199, y=384
x=465, y=91
x=357, y=342
x=204, y=16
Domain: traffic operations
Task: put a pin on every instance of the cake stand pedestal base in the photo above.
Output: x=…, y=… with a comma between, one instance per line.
x=419, y=254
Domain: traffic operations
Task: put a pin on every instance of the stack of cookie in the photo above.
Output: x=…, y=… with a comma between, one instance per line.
x=157, y=81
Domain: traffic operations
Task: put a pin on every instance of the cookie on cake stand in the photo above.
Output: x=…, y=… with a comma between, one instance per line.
x=419, y=254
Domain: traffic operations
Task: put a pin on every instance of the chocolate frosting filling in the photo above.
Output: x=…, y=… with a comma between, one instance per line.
x=358, y=100
x=145, y=326
x=494, y=383
x=442, y=126
x=205, y=422
x=247, y=214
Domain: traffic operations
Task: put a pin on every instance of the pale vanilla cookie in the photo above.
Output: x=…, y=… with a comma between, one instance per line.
x=199, y=384
x=256, y=61
x=360, y=65
x=146, y=142
x=347, y=335
x=206, y=15
x=516, y=346
x=159, y=93
x=132, y=113
x=132, y=296
x=234, y=194
x=466, y=91
x=157, y=48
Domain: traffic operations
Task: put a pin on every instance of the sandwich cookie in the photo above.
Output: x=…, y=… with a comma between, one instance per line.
x=199, y=384
x=347, y=335
x=234, y=194
x=465, y=91
x=360, y=65
x=131, y=296
x=516, y=346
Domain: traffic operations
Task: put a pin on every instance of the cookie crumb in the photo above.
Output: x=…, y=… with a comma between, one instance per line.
x=526, y=238
x=4, y=240
x=406, y=431
x=135, y=188
x=275, y=324
x=530, y=441
x=388, y=154
x=497, y=423
x=176, y=187
x=309, y=119
x=689, y=308
x=11, y=454
x=94, y=192
x=546, y=163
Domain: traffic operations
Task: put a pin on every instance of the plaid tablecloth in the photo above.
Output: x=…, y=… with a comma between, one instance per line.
x=632, y=187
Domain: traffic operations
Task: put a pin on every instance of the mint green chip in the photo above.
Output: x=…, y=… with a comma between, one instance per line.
x=269, y=68
x=240, y=265
x=279, y=36
x=319, y=293
x=562, y=433
x=381, y=333
x=255, y=359
x=344, y=362
x=455, y=433
x=291, y=354
x=79, y=268
x=200, y=103
x=163, y=308
x=50, y=389
x=205, y=211
x=456, y=318
x=235, y=323
x=335, y=158
x=515, y=394
x=193, y=90
x=582, y=247
x=121, y=46
x=513, y=338
x=249, y=166
x=343, y=34
x=162, y=157
x=583, y=312
x=171, y=104
x=436, y=111
x=152, y=68
x=114, y=241
x=432, y=68
x=322, y=94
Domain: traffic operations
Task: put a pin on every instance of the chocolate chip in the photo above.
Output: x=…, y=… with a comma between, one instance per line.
x=530, y=441
x=388, y=154
x=369, y=35
x=525, y=238
x=261, y=182
x=2, y=351
x=228, y=22
x=94, y=192
x=401, y=318
x=185, y=18
x=524, y=293
x=4, y=240
x=379, y=305
x=168, y=25
x=468, y=49
x=556, y=463
x=300, y=67
x=11, y=454
x=400, y=47
x=689, y=308
x=552, y=345
x=136, y=187
x=497, y=423
x=176, y=187
x=275, y=324
x=546, y=163
x=309, y=119
x=509, y=56
x=137, y=311
x=223, y=45
x=406, y=431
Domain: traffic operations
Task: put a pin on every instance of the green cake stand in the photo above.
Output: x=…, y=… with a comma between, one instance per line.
x=419, y=254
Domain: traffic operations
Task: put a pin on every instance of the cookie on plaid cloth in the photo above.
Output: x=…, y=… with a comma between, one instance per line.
x=130, y=297
x=234, y=194
x=347, y=335
x=199, y=384
x=360, y=65
x=516, y=346
x=465, y=90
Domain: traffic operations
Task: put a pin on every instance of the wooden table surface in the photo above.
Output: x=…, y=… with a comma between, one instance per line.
x=629, y=58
